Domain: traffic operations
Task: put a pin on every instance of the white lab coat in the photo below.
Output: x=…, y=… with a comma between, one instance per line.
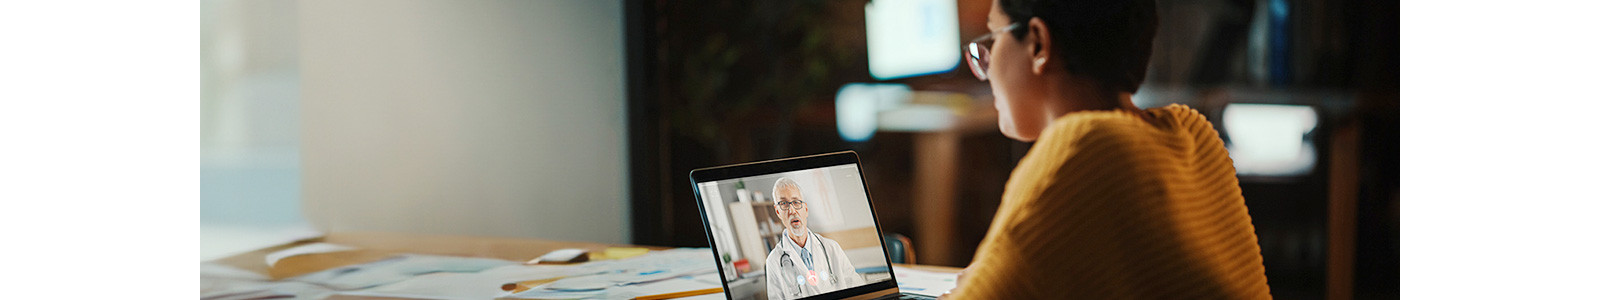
x=787, y=280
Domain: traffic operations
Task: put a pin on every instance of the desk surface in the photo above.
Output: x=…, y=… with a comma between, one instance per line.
x=379, y=245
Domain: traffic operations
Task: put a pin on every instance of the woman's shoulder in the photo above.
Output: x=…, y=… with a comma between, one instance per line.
x=1094, y=131
x=1114, y=129
x=1108, y=141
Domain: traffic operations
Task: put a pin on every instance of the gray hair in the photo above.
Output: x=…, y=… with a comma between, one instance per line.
x=783, y=183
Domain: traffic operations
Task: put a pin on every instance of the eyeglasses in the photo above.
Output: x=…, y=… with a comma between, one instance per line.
x=978, y=52
x=788, y=205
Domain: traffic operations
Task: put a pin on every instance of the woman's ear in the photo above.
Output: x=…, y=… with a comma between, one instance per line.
x=1040, y=48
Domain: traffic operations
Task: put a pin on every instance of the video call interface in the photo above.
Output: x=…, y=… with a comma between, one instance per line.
x=795, y=234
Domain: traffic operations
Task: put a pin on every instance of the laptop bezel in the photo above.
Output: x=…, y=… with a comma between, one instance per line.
x=776, y=166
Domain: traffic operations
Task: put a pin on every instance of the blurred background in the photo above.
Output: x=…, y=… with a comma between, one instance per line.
x=580, y=120
x=486, y=118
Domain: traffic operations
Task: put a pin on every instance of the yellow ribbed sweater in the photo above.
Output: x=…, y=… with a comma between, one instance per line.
x=1108, y=206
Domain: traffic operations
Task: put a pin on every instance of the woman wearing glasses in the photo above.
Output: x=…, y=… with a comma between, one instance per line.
x=1111, y=201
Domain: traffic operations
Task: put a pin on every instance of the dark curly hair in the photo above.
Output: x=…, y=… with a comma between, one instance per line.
x=1106, y=40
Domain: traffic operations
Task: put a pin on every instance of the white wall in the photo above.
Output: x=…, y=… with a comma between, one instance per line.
x=250, y=126
x=475, y=117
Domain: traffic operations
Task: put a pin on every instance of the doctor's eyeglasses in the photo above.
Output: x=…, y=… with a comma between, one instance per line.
x=788, y=205
x=978, y=52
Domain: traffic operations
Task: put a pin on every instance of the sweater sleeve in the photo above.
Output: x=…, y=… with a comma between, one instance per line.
x=1098, y=215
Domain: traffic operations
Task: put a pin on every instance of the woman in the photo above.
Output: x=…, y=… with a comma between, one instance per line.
x=1112, y=201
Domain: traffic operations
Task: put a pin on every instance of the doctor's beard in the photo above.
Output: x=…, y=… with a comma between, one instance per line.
x=799, y=233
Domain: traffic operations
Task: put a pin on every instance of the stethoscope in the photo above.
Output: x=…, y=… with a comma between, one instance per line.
x=827, y=259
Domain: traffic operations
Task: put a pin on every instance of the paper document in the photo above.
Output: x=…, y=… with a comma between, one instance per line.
x=481, y=285
x=396, y=269
x=221, y=241
x=674, y=285
x=658, y=272
x=273, y=258
x=667, y=286
x=222, y=282
x=923, y=282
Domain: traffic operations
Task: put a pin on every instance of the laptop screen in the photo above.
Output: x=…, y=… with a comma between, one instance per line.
x=794, y=234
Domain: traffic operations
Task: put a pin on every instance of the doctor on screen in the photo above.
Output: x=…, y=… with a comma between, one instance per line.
x=804, y=263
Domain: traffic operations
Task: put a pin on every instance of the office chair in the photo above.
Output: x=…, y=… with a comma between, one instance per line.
x=900, y=250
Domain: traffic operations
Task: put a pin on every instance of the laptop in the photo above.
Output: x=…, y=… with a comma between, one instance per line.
x=795, y=228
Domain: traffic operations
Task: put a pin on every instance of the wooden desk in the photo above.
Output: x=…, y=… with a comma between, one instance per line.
x=377, y=246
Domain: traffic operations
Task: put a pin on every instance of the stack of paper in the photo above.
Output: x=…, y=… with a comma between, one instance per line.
x=658, y=272
x=923, y=282
x=451, y=277
x=477, y=286
x=221, y=282
x=396, y=269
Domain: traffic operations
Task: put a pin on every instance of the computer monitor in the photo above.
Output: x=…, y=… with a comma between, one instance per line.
x=912, y=37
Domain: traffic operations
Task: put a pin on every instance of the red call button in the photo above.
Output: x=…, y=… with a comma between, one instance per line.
x=811, y=277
